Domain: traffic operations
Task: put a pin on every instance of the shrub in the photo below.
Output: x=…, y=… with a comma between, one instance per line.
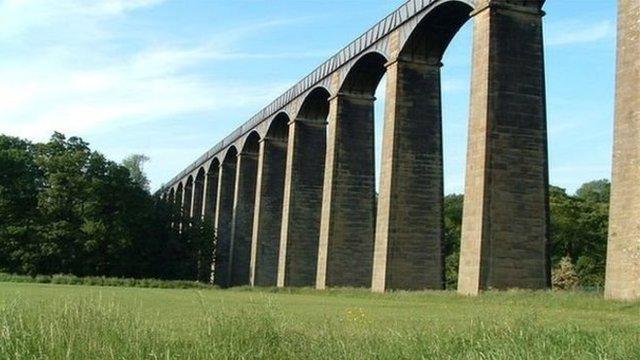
x=104, y=281
x=564, y=275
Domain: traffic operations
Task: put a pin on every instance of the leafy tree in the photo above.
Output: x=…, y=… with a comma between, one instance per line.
x=135, y=164
x=452, y=229
x=19, y=184
x=579, y=230
x=67, y=209
x=597, y=191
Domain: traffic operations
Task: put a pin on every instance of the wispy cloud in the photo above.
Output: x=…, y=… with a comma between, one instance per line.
x=18, y=17
x=578, y=32
x=75, y=86
x=141, y=88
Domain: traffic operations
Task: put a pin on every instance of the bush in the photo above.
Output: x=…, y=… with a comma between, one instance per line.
x=104, y=281
x=564, y=275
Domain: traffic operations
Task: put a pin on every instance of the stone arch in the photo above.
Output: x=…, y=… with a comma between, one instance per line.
x=171, y=196
x=251, y=143
x=188, y=197
x=179, y=195
x=212, y=172
x=229, y=154
x=198, y=194
x=243, y=209
x=177, y=207
x=224, y=216
x=267, y=218
x=409, y=251
x=345, y=254
x=429, y=40
x=303, y=185
x=315, y=106
x=365, y=74
x=279, y=127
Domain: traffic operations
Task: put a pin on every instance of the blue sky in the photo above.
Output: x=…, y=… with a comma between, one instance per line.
x=170, y=78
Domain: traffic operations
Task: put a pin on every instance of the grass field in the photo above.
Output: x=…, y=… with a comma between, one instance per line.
x=47, y=321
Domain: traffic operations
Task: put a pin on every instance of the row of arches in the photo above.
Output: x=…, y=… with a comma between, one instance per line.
x=244, y=196
x=298, y=206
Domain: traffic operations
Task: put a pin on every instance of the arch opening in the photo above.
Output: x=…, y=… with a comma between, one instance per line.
x=251, y=144
x=279, y=128
x=302, y=197
x=243, y=210
x=348, y=221
x=178, y=208
x=223, y=218
x=269, y=203
x=186, y=203
x=431, y=38
x=198, y=195
x=365, y=75
x=315, y=106
x=172, y=196
x=414, y=167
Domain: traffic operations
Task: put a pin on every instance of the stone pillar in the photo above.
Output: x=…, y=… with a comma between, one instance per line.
x=409, y=231
x=224, y=213
x=267, y=219
x=345, y=252
x=506, y=210
x=180, y=209
x=187, y=204
x=302, y=203
x=197, y=199
x=623, y=251
x=242, y=222
x=210, y=193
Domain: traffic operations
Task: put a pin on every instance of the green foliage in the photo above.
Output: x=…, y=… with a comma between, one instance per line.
x=67, y=209
x=452, y=229
x=135, y=164
x=597, y=191
x=578, y=231
x=64, y=322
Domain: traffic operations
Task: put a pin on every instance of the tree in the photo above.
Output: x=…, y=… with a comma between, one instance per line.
x=453, y=204
x=20, y=180
x=597, y=191
x=135, y=164
x=579, y=229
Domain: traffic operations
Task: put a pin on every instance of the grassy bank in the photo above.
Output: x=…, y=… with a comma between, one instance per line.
x=79, y=322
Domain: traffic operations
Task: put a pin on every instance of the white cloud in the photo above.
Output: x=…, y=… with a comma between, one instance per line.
x=34, y=104
x=577, y=32
x=76, y=86
x=20, y=16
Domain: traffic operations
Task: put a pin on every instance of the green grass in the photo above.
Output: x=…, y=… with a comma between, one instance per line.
x=45, y=321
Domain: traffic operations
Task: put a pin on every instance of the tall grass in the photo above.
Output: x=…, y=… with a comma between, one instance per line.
x=95, y=326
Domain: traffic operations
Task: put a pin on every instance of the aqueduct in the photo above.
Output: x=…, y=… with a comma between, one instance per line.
x=292, y=194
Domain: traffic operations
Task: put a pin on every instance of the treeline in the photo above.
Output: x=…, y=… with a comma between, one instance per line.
x=67, y=209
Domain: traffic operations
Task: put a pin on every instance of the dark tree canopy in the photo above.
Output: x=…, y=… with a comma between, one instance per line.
x=67, y=209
